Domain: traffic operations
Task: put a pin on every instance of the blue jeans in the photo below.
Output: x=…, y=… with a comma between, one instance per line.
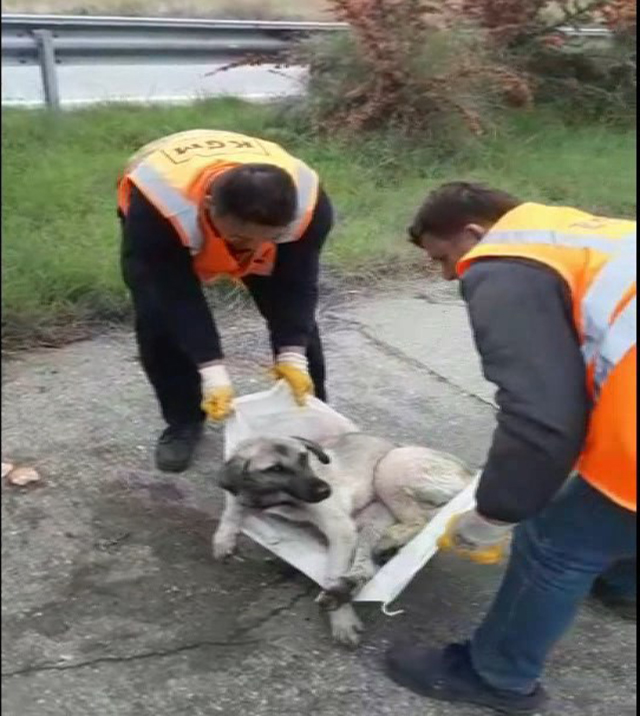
x=556, y=556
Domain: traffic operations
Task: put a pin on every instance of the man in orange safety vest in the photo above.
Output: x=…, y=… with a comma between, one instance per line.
x=551, y=294
x=198, y=205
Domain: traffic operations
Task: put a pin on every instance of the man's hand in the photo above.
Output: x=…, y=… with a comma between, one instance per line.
x=292, y=367
x=472, y=536
x=217, y=392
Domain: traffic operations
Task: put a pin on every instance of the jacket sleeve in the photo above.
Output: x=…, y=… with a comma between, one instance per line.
x=521, y=318
x=166, y=291
x=294, y=284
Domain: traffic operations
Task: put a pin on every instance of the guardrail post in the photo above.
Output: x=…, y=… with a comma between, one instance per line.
x=47, y=58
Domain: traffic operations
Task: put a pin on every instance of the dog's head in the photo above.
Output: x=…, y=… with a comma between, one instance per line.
x=265, y=472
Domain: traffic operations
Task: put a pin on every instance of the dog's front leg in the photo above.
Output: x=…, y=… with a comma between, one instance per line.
x=225, y=537
x=345, y=625
x=342, y=537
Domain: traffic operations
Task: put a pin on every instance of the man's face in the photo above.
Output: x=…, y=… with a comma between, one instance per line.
x=243, y=235
x=448, y=251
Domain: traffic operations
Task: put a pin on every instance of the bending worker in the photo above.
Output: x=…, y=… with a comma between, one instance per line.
x=551, y=294
x=202, y=204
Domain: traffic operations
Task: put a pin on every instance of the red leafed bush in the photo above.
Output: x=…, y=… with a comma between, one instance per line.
x=620, y=15
x=425, y=67
x=403, y=65
x=589, y=78
x=506, y=20
x=522, y=20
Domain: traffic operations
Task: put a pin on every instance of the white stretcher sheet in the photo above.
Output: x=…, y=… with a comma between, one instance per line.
x=274, y=413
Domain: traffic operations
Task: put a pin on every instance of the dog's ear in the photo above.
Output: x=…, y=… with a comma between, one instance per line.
x=315, y=449
x=231, y=474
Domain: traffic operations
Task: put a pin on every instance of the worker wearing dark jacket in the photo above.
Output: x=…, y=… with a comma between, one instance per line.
x=202, y=204
x=551, y=294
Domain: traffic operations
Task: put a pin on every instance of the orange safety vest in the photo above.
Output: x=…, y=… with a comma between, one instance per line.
x=596, y=257
x=175, y=174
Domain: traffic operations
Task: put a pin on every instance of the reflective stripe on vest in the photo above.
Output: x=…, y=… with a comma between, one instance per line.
x=183, y=212
x=306, y=185
x=551, y=238
x=604, y=294
x=619, y=340
x=605, y=342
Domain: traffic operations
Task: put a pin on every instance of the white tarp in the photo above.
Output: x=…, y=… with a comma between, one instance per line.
x=273, y=413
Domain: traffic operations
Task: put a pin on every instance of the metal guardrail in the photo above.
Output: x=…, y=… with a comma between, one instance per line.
x=50, y=40
x=80, y=40
x=48, y=22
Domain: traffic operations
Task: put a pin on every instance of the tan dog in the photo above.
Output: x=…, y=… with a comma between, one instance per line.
x=367, y=496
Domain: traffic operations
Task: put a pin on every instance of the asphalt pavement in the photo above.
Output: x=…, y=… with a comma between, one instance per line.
x=88, y=84
x=112, y=605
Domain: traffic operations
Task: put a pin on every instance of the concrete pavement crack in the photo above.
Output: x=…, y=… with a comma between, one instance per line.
x=407, y=360
x=276, y=611
x=234, y=640
x=159, y=653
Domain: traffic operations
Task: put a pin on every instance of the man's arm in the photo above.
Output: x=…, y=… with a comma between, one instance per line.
x=294, y=284
x=165, y=288
x=521, y=318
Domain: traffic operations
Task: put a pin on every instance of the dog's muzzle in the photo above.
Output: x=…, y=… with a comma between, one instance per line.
x=313, y=491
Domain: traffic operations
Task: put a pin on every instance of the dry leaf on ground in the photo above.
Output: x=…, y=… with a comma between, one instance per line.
x=21, y=476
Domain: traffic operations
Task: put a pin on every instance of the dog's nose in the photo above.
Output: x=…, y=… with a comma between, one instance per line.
x=322, y=491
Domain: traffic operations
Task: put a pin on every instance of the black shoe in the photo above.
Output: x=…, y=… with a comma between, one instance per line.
x=623, y=607
x=447, y=675
x=176, y=446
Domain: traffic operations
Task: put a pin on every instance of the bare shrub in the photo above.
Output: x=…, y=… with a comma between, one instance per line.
x=588, y=78
x=431, y=67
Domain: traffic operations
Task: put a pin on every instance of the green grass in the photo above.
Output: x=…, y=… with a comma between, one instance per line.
x=60, y=231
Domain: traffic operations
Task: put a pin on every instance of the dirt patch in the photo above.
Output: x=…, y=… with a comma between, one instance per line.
x=336, y=287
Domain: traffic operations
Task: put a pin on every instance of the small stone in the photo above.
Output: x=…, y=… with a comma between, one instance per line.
x=21, y=476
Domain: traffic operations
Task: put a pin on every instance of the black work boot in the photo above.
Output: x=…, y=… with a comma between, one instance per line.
x=176, y=446
x=447, y=675
x=622, y=606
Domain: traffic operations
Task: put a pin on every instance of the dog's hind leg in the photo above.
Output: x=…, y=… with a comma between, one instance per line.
x=395, y=537
x=373, y=522
x=414, y=482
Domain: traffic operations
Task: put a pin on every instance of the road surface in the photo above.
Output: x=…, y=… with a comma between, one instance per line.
x=112, y=605
x=87, y=84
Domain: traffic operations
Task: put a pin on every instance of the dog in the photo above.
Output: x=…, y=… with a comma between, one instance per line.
x=367, y=496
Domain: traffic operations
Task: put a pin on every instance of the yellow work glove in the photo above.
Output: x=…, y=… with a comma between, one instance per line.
x=472, y=536
x=292, y=367
x=217, y=392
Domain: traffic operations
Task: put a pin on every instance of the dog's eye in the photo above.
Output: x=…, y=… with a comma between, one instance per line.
x=277, y=468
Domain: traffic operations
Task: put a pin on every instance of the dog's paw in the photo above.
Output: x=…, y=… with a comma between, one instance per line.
x=360, y=574
x=346, y=628
x=224, y=545
x=394, y=538
x=384, y=554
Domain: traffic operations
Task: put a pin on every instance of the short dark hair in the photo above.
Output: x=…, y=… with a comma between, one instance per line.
x=452, y=206
x=258, y=193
